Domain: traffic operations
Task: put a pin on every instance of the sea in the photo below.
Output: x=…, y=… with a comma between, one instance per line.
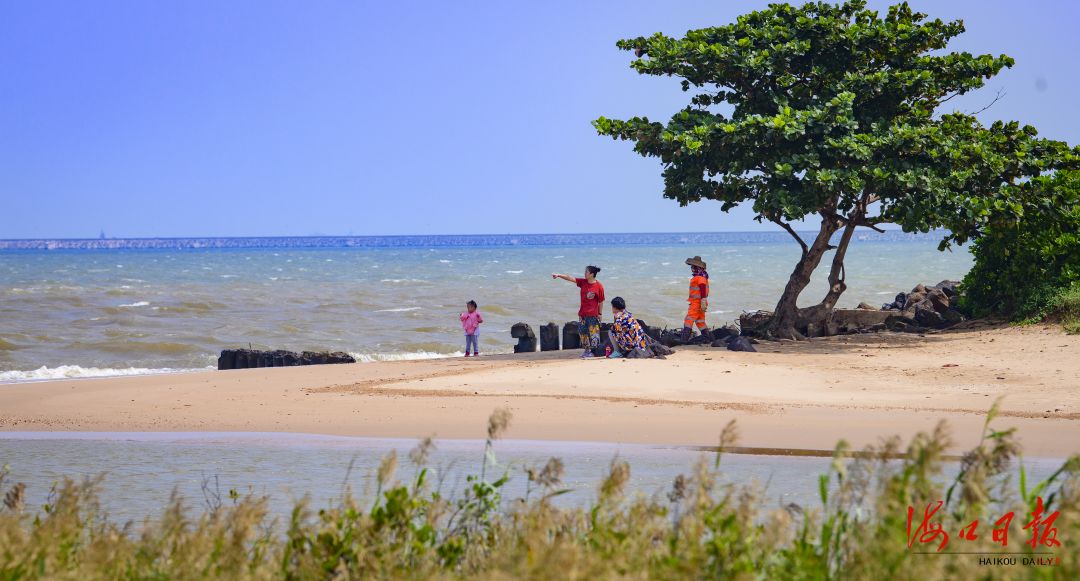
x=101, y=307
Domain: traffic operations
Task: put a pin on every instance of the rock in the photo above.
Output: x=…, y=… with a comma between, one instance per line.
x=876, y=328
x=669, y=338
x=227, y=359
x=926, y=316
x=290, y=359
x=899, y=323
x=525, y=336
x=867, y=306
x=949, y=287
x=701, y=339
x=724, y=332
x=719, y=343
x=570, y=337
x=549, y=337
x=521, y=331
x=654, y=332
x=952, y=317
x=938, y=300
x=913, y=299
x=250, y=358
x=919, y=288
x=741, y=344
x=312, y=358
x=339, y=357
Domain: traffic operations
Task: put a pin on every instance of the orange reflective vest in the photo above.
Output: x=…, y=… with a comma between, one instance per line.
x=699, y=289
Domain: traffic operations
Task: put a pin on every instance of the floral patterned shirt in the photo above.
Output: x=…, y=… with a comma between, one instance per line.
x=627, y=332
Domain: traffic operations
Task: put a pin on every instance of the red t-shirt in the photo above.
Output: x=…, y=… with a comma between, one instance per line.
x=590, y=307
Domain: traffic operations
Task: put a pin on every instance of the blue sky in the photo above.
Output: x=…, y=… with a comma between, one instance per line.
x=249, y=118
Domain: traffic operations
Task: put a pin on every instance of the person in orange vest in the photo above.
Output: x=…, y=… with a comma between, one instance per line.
x=698, y=299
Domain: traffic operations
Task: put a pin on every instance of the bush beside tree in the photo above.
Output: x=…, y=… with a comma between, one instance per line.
x=1028, y=269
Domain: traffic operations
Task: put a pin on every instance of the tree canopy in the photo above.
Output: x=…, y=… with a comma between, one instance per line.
x=835, y=111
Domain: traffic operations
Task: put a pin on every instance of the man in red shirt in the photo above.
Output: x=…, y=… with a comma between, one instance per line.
x=592, y=301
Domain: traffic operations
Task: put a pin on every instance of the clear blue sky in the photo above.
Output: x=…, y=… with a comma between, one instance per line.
x=176, y=118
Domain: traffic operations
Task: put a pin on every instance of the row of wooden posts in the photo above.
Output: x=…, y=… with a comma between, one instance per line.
x=548, y=340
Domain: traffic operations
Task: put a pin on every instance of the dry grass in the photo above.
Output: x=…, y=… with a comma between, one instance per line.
x=699, y=528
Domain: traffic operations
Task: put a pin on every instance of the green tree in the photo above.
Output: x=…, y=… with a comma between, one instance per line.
x=829, y=111
x=1023, y=266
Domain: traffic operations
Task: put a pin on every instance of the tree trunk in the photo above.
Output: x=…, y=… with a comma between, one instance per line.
x=837, y=285
x=786, y=314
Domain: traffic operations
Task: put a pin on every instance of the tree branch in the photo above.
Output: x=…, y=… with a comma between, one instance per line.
x=790, y=230
x=998, y=97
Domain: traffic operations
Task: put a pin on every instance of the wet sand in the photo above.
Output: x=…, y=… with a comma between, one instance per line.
x=803, y=396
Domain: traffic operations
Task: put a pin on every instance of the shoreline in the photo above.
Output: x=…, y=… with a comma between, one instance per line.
x=789, y=396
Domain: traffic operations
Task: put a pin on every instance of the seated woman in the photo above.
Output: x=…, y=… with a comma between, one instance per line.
x=628, y=339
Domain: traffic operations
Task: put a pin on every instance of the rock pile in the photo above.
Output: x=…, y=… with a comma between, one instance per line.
x=922, y=309
x=253, y=358
x=925, y=307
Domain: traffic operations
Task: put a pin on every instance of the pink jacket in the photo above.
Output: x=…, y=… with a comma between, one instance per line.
x=471, y=322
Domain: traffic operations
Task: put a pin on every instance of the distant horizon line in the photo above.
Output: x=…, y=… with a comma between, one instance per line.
x=284, y=236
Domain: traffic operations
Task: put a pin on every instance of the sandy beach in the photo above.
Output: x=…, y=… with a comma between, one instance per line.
x=803, y=396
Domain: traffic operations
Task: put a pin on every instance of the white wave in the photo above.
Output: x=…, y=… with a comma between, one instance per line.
x=416, y=355
x=44, y=373
x=398, y=310
x=136, y=304
x=514, y=271
x=401, y=280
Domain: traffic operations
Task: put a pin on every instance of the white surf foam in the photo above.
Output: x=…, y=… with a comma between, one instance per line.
x=136, y=304
x=416, y=355
x=44, y=373
x=398, y=310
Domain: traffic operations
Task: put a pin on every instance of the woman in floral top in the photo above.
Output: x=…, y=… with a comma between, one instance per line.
x=626, y=334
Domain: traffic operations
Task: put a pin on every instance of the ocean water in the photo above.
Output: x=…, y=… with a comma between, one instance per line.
x=89, y=308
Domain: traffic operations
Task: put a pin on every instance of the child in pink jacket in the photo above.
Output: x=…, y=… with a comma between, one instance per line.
x=470, y=321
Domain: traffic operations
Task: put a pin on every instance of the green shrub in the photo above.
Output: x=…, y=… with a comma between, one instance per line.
x=1067, y=309
x=1023, y=269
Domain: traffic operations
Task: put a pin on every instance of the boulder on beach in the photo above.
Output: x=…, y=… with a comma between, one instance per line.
x=570, y=337
x=741, y=344
x=253, y=358
x=549, y=337
x=525, y=336
x=722, y=333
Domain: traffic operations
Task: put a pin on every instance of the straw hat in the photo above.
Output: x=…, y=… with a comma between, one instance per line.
x=696, y=261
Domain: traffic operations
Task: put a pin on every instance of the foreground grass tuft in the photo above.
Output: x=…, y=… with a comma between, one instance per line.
x=699, y=528
x=1067, y=309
